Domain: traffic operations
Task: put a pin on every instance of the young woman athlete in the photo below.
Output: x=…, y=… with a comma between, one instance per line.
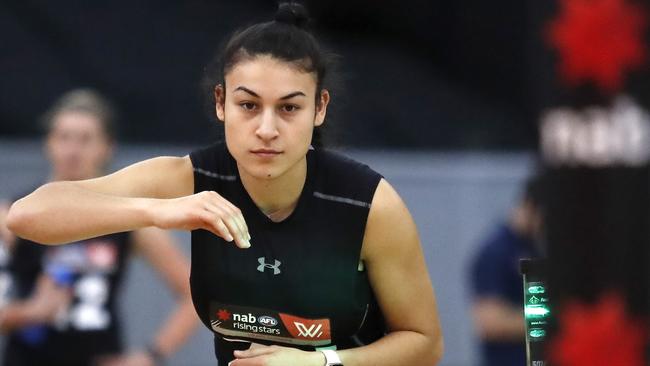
x=327, y=267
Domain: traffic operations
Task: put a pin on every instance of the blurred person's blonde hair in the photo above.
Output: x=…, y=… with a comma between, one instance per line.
x=87, y=101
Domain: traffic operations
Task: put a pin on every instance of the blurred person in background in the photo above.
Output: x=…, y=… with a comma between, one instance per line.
x=6, y=238
x=497, y=285
x=63, y=304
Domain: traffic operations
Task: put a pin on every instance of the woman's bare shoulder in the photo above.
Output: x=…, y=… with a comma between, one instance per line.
x=160, y=177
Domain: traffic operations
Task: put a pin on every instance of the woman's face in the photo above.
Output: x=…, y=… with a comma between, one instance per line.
x=77, y=146
x=269, y=112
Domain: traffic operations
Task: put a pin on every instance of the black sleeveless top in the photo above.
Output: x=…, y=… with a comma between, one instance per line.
x=300, y=284
x=92, y=270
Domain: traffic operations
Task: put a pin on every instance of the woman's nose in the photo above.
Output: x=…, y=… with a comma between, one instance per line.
x=268, y=129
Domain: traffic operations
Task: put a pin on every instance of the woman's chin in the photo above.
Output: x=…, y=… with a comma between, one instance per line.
x=261, y=173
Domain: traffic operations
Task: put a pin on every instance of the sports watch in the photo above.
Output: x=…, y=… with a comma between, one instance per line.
x=331, y=358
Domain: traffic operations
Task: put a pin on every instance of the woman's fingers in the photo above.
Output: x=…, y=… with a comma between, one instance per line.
x=228, y=224
x=255, y=352
x=222, y=230
x=240, y=239
x=240, y=219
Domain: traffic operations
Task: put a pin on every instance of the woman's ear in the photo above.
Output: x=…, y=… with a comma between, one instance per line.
x=321, y=107
x=220, y=102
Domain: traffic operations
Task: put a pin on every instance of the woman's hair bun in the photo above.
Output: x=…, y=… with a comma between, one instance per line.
x=292, y=13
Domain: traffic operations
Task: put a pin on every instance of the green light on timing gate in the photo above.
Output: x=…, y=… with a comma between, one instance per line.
x=536, y=311
x=537, y=333
x=536, y=290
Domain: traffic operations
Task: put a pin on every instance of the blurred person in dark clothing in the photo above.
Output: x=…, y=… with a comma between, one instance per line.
x=497, y=285
x=63, y=304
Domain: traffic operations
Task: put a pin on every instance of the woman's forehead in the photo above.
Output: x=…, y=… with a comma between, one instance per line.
x=268, y=76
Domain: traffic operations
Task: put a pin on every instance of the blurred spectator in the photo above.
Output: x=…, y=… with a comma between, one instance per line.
x=497, y=284
x=6, y=237
x=63, y=305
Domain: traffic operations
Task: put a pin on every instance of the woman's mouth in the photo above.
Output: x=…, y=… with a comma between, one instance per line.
x=266, y=153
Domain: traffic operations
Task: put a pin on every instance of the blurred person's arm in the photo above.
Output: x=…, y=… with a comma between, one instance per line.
x=47, y=301
x=6, y=236
x=498, y=320
x=156, y=192
x=159, y=249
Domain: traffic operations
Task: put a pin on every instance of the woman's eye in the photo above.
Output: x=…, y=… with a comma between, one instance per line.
x=290, y=108
x=247, y=106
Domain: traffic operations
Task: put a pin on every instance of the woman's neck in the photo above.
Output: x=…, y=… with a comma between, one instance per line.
x=277, y=197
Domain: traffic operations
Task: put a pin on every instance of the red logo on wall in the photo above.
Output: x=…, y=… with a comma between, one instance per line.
x=309, y=329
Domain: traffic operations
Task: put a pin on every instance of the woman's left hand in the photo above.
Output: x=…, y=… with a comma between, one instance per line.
x=277, y=356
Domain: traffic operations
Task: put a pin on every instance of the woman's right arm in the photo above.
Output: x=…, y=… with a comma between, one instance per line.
x=155, y=192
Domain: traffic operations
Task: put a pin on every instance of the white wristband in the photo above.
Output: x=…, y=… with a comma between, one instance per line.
x=331, y=358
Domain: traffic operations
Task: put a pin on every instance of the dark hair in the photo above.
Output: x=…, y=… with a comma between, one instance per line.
x=83, y=101
x=285, y=38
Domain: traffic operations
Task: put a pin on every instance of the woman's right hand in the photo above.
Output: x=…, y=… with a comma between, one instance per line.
x=205, y=210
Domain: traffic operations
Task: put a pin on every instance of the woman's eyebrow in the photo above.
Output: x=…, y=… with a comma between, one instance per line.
x=245, y=89
x=294, y=94
x=288, y=96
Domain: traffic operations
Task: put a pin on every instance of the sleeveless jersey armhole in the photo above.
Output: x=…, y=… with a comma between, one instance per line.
x=211, y=166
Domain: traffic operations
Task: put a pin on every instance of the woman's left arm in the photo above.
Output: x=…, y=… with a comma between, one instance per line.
x=399, y=277
x=400, y=280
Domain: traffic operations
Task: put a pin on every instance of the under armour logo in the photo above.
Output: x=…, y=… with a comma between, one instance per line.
x=263, y=265
x=311, y=332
